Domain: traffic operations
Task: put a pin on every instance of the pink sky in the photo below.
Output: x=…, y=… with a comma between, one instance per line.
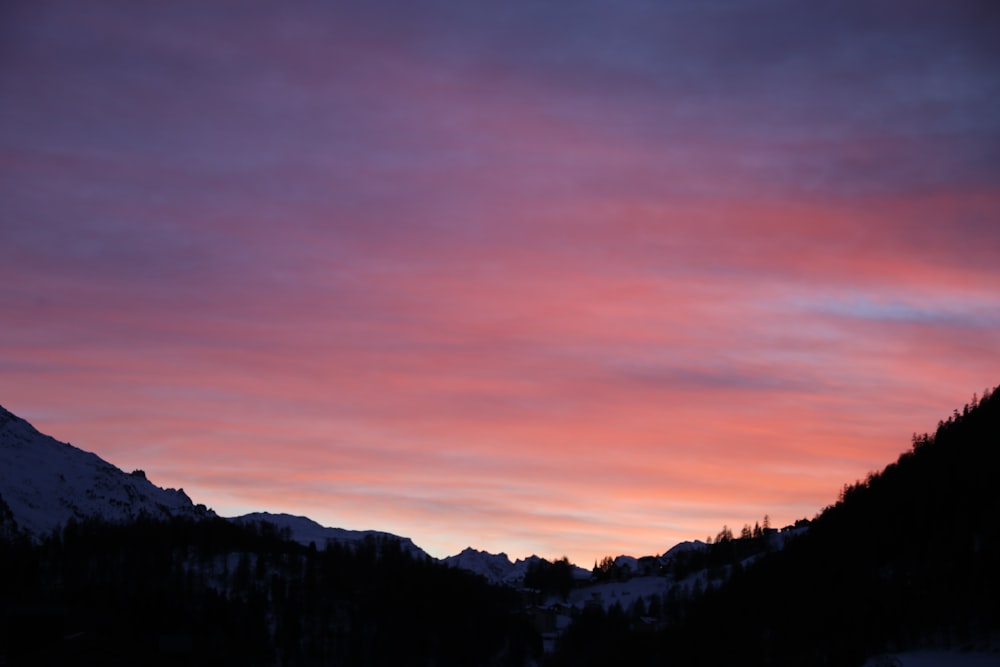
x=525, y=279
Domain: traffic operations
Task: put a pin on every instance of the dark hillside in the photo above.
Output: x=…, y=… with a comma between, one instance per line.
x=906, y=558
x=213, y=592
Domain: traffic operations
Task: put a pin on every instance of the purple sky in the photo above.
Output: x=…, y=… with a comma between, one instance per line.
x=559, y=278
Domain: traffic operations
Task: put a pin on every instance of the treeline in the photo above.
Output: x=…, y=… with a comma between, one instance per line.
x=550, y=577
x=727, y=553
x=212, y=592
x=906, y=558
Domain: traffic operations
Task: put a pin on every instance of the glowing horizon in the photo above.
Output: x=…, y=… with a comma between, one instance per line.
x=518, y=278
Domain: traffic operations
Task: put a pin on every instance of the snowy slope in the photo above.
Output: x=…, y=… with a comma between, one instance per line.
x=46, y=482
x=984, y=653
x=304, y=530
x=696, y=546
x=625, y=592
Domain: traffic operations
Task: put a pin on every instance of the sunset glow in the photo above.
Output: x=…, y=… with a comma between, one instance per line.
x=568, y=279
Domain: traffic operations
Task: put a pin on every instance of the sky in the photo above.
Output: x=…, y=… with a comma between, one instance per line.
x=556, y=278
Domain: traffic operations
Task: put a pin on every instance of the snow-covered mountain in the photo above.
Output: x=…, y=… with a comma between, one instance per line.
x=45, y=483
x=498, y=568
x=304, y=530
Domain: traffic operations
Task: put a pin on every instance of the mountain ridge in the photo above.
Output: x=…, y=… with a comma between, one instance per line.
x=46, y=482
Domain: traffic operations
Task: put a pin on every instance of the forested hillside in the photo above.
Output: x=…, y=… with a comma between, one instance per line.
x=213, y=592
x=906, y=558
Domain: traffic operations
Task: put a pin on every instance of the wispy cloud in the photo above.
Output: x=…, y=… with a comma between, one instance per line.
x=507, y=276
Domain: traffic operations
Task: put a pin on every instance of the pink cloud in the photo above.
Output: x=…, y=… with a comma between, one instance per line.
x=413, y=281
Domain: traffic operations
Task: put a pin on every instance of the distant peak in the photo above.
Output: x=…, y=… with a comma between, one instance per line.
x=472, y=551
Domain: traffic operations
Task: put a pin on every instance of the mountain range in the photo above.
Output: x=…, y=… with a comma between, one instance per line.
x=97, y=563
x=45, y=483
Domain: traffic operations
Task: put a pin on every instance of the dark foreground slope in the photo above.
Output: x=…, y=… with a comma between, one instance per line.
x=909, y=557
x=213, y=592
